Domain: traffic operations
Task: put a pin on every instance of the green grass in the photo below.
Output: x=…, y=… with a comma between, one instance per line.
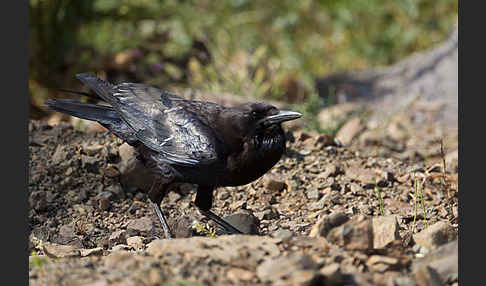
x=267, y=49
x=418, y=196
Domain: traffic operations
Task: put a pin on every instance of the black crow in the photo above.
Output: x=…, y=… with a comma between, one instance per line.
x=186, y=141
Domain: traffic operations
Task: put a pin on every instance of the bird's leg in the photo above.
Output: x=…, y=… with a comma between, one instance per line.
x=155, y=198
x=204, y=201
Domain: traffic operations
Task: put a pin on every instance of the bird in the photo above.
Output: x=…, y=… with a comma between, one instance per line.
x=185, y=141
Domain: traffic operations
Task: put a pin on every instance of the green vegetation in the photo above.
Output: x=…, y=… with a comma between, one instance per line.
x=207, y=230
x=269, y=49
x=36, y=260
x=420, y=196
x=380, y=200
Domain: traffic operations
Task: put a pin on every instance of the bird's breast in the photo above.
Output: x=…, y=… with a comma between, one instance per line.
x=254, y=161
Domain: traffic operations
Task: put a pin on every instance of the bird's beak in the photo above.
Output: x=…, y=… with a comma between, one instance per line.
x=283, y=115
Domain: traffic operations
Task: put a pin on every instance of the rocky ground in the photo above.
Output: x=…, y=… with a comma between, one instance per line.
x=372, y=206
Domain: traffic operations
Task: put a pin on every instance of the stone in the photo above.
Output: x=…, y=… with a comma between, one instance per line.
x=156, y=277
x=120, y=247
x=38, y=201
x=273, y=183
x=442, y=261
x=117, y=237
x=91, y=252
x=141, y=225
x=427, y=276
x=451, y=160
x=284, y=267
x=103, y=203
x=326, y=223
x=349, y=130
x=403, y=280
x=60, y=155
x=135, y=242
x=223, y=195
x=60, y=251
x=313, y=194
x=360, y=232
x=238, y=274
x=283, y=234
x=381, y=263
x=92, y=149
x=246, y=223
x=330, y=171
x=119, y=259
x=116, y=190
x=246, y=250
x=385, y=230
x=356, y=234
x=435, y=235
x=332, y=274
x=111, y=171
x=365, y=176
x=270, y=214
x=182, y=226
x=333, y=116
x=89, y=163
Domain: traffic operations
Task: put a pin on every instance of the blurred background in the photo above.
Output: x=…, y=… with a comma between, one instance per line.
x=269, y=50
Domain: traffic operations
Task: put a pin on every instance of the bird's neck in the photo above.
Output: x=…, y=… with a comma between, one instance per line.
x=270, y=143
x=264, y=150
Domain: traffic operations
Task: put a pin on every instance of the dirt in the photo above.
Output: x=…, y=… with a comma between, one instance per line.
x=76, y=199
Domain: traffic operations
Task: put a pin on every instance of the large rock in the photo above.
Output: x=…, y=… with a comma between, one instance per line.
x=60, y=251
x=141, y=225
x=235, y=249
x=293, y=269
x=428, y=79
x=436, y=235
x=439, y=263
x=362, y=232
x=326, y=223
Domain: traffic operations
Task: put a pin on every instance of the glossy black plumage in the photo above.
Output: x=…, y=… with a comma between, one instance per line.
x=184, y=140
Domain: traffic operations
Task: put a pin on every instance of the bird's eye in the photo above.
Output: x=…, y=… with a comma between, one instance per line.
x=254, y=114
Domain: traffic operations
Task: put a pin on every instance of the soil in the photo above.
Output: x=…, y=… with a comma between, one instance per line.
x=76, y=199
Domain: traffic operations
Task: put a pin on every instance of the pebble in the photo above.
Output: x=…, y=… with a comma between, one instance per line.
x=273, y=183
x=91, y=252
x=283, y=234
x=60, y=251
x=117, y=237
x=135, y=242
x=322, y=227
x=381, y=263
x=141, y=225
x=349, y=130
x=246, y=223
x=238, y=274
x=385, y=231
x=333, y=274
x=313, y=194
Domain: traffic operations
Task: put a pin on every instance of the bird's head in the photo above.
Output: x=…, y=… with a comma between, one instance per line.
x=258, y=118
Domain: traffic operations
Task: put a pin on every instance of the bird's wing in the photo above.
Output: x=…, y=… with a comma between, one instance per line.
x=165, y=124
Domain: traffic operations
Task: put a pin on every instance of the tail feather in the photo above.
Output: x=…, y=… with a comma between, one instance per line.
x=102, y=114
x=100, y=87
x=105, y=115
